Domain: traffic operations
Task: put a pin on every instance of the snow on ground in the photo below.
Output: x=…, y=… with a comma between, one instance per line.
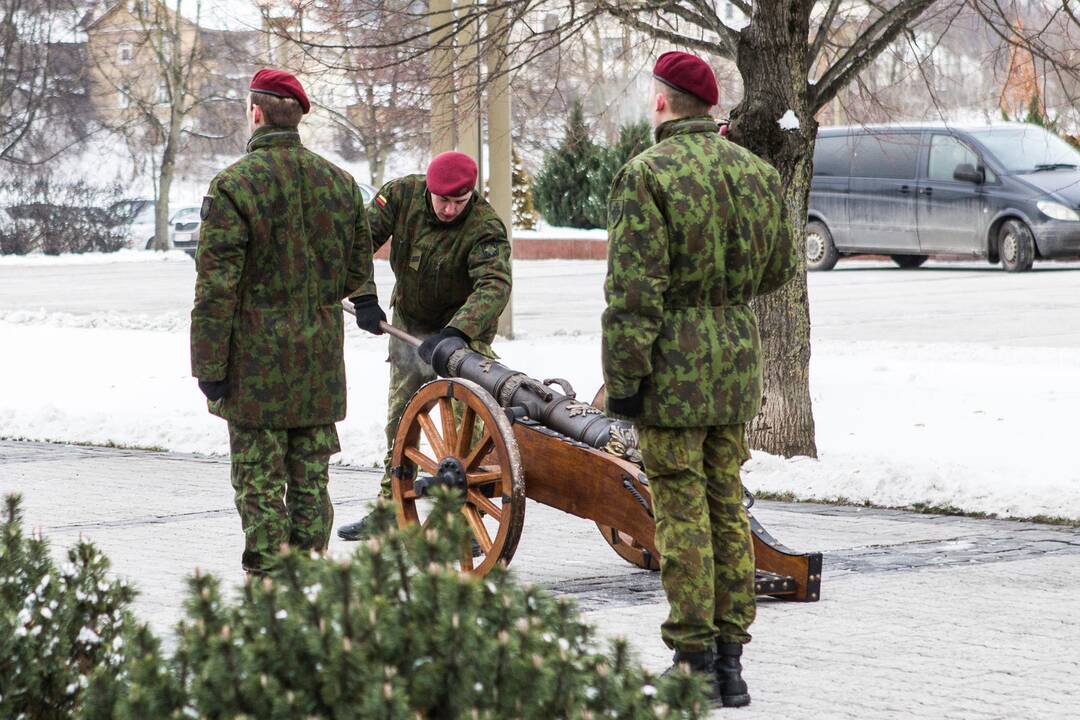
x=953, y=385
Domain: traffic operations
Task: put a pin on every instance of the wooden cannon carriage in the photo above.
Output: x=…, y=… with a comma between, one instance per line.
x=501, y=437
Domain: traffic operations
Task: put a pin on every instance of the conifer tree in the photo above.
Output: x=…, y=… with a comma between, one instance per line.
x=522, y=191
x=393, y=632
x=633, y=138
x=563, y=187
x=56, y=624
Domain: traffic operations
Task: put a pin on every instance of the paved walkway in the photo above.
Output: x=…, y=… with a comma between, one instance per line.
x=921, y=616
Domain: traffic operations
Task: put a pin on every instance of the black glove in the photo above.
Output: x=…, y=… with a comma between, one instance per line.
x=214, y=389
x=627, y=406
x=368, y=313
x=427, y=348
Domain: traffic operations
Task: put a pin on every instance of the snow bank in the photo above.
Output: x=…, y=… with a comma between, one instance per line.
x=978, y=427
x=38, y=259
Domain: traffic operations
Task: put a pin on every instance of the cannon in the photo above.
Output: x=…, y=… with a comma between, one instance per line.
x=500, y=436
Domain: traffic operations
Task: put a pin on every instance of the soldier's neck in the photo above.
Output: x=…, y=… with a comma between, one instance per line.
x=678, y=126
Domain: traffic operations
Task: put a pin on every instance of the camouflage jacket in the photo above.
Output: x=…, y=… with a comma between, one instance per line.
x=455, y=273
x=284, y=237
x=696, y=230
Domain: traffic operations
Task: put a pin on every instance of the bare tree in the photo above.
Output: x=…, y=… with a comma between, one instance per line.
x=157, y=64
x=40, y=79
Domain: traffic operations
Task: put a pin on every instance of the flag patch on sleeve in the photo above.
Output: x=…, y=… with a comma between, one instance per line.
x=380, y=200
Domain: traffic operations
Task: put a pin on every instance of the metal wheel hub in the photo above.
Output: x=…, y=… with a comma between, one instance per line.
x=451, y=474
x=1009, y=248
x=815, y=247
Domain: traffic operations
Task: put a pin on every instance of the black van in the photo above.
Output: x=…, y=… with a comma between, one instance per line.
x=1008, y=192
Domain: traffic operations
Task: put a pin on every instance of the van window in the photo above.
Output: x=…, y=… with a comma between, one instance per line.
x=832, y=156
x=885, y=156
x=946, y=152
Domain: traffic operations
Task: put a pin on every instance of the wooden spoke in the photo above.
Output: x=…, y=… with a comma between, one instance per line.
x=477, y=498
x=432, y=434
x=449, y=424
x=479, y=530
x=426, y=464
x=485, y=477
x=468, y=422
x=482, y=438
x=483, y=448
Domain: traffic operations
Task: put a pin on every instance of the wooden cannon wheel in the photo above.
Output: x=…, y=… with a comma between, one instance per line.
x=622, y=543
x=476, y=450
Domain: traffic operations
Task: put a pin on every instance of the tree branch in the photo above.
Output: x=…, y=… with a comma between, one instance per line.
x=866, y=47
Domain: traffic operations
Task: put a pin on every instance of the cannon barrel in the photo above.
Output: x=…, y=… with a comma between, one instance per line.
x=537, y=400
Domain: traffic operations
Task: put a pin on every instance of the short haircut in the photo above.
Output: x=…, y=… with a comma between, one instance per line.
x=279, y=111
x=682, y=103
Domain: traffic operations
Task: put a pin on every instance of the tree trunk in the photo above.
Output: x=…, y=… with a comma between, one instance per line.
x=771, y=58
x=165, y=179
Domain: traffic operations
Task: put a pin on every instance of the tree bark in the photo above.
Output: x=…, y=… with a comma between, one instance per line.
x=772, y=59
x=165, y=179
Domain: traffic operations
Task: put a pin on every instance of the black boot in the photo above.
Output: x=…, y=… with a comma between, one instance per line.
x=732, y=688
x=360, y=530
x=701, y=662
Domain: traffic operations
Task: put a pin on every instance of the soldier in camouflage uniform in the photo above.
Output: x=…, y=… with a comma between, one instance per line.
x=284, y=238
x=451, y=262
x=696, y=231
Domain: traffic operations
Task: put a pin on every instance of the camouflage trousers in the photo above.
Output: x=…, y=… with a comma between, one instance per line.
x=280, y=478
x=702, y=533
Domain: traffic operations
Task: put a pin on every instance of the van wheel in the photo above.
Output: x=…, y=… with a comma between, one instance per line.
x=1016, y=247
x=909, y=262
x=821, y=253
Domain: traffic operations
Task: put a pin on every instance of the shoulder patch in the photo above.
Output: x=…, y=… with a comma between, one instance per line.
x=489, y=249
x=380, y=200
x=207, y=204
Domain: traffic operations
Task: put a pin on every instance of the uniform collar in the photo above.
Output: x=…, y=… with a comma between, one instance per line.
x=457, y=220
x=682, y=126
x=273, y=136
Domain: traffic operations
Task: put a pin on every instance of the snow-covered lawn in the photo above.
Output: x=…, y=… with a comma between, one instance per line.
x=953, y=385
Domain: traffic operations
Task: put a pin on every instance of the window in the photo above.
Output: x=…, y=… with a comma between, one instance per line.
x=162, y=93
x=729, y=11
x=946, y=152
x=832, y=156
x=124, y=53
x=123, y=97
x=885, y=156
x=139, y=8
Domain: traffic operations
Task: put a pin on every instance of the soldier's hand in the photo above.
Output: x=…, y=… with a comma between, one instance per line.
x=368, y=313
x=214, y=389
x=427, y=348
x=629, y=407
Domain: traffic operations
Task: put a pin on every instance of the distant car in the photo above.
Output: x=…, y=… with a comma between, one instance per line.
x=184, y=229
x=137, y=218
x=1007, y=192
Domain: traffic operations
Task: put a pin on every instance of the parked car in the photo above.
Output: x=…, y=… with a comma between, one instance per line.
x=184, y=229
x=137, y=218
x=1008, y=192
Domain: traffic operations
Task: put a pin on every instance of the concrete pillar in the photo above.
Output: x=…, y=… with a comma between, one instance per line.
x=469, y=94
x=500, y=145
x=443, y=125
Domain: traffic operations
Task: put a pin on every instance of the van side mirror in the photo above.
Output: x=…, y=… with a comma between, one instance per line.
x=966, y=172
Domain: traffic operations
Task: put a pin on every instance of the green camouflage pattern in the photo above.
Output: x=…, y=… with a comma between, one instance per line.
x=284, y=237
x=407, y=374
x=702, y=533
x=696, y=230
x=455, y=273
x=280, y=479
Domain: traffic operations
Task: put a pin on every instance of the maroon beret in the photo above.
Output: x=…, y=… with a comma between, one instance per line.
x=689, y=74
x=280, y=84
x=451, y=174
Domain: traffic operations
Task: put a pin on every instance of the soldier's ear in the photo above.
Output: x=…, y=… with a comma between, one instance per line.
x=660, y=102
